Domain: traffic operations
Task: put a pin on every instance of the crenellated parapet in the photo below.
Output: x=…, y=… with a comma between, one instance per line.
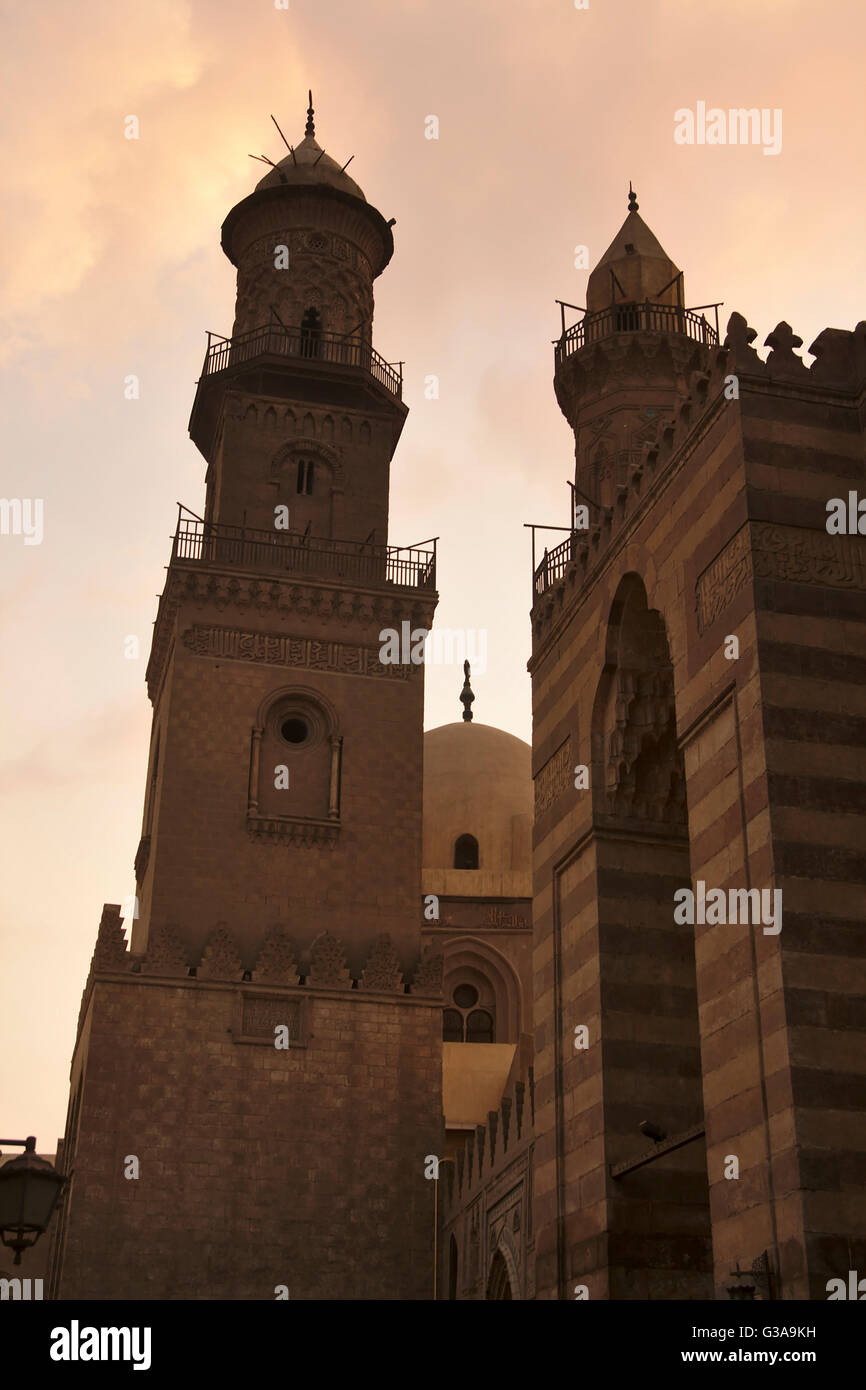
x=280, y=965
x=495, y=1145
x=732, y=370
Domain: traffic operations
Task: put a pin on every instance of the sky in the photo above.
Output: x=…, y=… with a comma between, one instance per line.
x=112, y=267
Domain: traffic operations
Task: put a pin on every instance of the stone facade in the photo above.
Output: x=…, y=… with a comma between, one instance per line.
x=258, y=1166
x=744, y=770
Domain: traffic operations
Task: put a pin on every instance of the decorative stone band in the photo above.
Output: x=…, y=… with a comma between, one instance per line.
x=276, y=964
x=762, y=550
x=554, y=778
x=281, y=597
x=294, y=830
x=278, y=649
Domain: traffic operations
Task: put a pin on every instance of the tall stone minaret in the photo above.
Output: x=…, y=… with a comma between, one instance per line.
x=642, y=349
x=270, y=1048
x=265, y=655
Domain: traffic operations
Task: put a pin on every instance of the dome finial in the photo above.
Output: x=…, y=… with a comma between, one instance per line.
x=632, y=198
x=310, y=128
x=466, y=695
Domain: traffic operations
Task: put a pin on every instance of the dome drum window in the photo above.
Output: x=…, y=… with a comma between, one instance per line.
x=466, y=852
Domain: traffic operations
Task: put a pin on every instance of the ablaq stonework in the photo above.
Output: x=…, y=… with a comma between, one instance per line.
x=360, y=951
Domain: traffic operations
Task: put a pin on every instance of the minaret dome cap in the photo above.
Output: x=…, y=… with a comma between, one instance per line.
x=634, y=268
x=308, y=164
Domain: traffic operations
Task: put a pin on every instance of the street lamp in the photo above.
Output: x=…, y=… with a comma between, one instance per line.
x=29, y=1189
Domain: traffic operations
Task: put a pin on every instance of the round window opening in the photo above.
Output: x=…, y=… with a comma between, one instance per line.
x=465, y=996
x=295, y=730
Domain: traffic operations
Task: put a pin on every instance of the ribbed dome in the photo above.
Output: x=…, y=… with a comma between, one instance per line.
x=310, y=165
x=477, y=781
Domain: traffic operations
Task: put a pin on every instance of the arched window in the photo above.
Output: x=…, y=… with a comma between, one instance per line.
x=479, y=1027
x=306, y=472
x=311, y=333
x=452, y=1026
x=463, y=1021
x=466, y=852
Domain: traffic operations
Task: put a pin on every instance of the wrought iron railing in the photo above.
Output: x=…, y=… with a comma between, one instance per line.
x=555, y=563
x=632, y=318
x=309, y=345
x=240, y=547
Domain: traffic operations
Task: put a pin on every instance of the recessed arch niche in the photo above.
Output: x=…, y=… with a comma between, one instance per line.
x=637, y=768
x=295, y=757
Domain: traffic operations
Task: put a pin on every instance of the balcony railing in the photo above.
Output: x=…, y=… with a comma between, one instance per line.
x=632, y=318
x=240, y=547
x=554, y=564
x=309, y=345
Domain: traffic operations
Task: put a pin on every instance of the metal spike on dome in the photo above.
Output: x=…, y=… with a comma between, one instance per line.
x=466, y=695
x=632, y=198
x=310, y=128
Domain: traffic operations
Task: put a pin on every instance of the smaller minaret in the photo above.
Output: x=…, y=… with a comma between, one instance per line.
x=621, y=370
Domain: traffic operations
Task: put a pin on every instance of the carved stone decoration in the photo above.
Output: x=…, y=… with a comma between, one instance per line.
x=281, y=596
x=644, y=776
x=783, y=361
x=554, y=778
x=328, y=963
x=221, y=959
x=261, y=1015
x=835, y=357
x=763, y=550
x=428, y=972
x=739, y=341
x=308, y=833
x=110, y=951
x=165, y=954
x=275, y=964
x=279, y=649
x=723, y=579
x=803, y=556
x=382, y=970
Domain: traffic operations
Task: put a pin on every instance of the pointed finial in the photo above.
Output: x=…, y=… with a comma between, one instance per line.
x=466, y=695
x=632, y=198
x=310, y=128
